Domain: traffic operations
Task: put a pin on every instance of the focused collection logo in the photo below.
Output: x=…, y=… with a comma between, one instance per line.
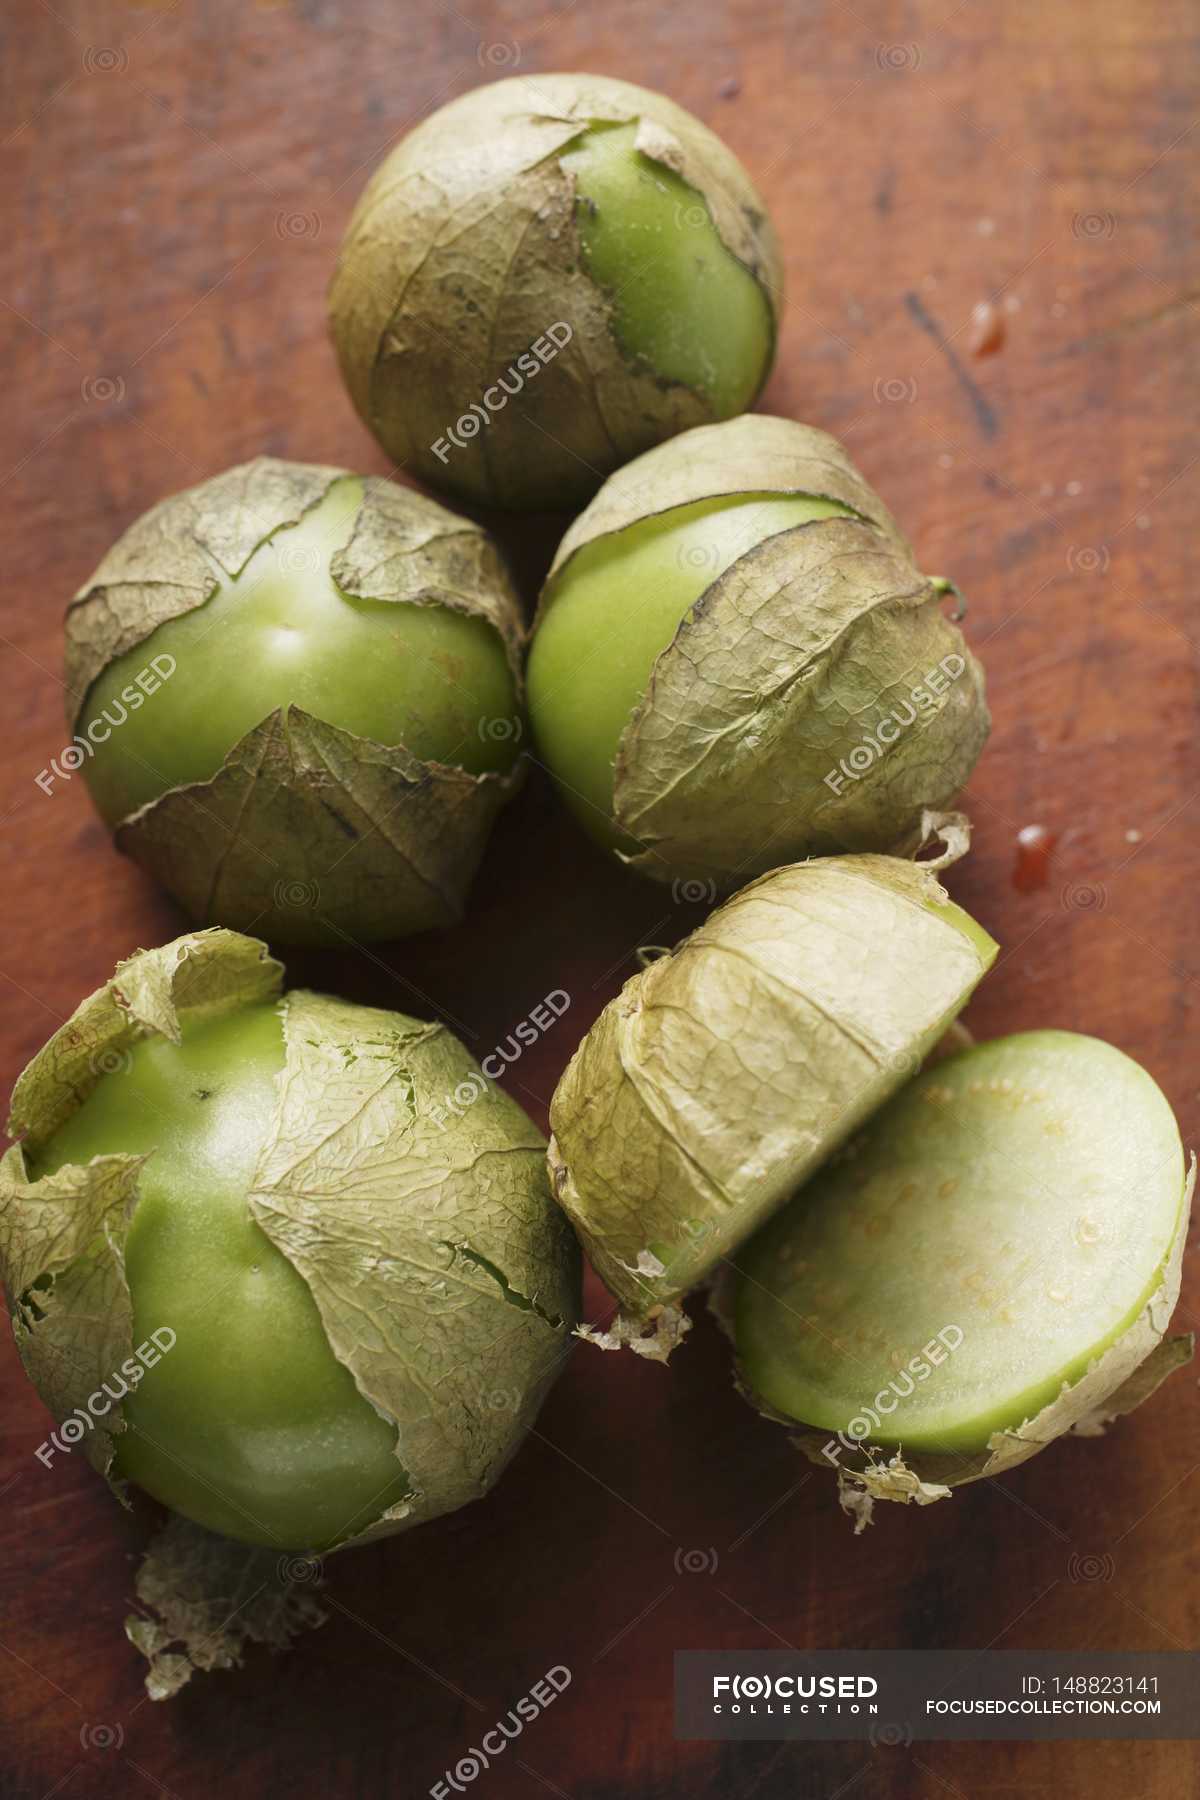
x=495, y=398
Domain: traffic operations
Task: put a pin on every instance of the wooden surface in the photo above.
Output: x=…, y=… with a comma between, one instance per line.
x=176, y=183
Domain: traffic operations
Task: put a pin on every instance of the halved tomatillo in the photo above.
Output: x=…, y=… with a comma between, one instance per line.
x=992, y=1260
x=727, y=1071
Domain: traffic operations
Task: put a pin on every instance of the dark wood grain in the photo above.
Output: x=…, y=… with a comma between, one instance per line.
x=177, y=180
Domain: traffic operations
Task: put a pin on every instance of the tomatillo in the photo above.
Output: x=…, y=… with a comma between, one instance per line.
x=736, y=662
x=338, y=1270
x=726, y=1071
x=546, y=277
x=993, y=1256
x=296, y=700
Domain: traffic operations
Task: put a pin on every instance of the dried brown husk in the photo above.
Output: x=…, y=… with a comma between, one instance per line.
x=463, y=250
x=307, y=833
x=1133, y=1368
x=729, y=1069
x=783, y=667
x=446, y=1279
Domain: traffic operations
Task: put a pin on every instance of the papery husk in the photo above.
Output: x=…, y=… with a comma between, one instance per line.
x=724, y=1073
x=1132, y=1369
x=307, y=833
x=446, y=1279
x=756, y=454
x=206, y=1598
x=314, y=836
x=782, y=668
x=462, y=251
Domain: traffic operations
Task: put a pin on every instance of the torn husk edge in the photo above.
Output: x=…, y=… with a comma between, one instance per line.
x=413, y=322
x=205, y=1598
x=654, y=1336
x=755, y=453
x=446, y=1279
x=307, y=832
x=1132, y=1368
x=626, y=1129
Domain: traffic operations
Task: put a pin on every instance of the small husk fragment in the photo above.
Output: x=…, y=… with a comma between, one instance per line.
x=308, y=833
x=816, y=699
x=439, y=1265
x=464, y=252
x=725, y=1072
x=207, y=1597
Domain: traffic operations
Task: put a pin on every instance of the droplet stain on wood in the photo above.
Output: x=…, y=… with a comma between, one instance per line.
x=1035, y=847
x=988, y=329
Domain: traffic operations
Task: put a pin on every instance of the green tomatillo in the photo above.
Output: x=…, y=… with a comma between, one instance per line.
x=990, y=1263
x=261, y=1269
x=736, y=662
x=295, y=695
x=546, y=277
x=727, y=1071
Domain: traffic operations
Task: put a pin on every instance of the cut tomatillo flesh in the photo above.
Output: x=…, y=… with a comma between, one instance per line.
x=610, y=619
x=737, y=663
x=683, y=303
x=279, y=633
x=268, y=1220
x=996, y=1228
x=295, y=695
x=249, y=1424
x=727, y=1071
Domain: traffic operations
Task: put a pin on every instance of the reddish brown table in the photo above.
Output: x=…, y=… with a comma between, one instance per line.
x=177, y=183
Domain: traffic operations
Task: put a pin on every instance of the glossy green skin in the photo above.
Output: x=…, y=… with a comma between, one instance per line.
x=613, y=611
x=1025, y=1193
x=249, y=1424
x=682, y=302
x=282, y=634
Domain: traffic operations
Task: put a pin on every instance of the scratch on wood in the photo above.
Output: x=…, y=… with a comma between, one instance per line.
x=1158, y=315
x=985, y=413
